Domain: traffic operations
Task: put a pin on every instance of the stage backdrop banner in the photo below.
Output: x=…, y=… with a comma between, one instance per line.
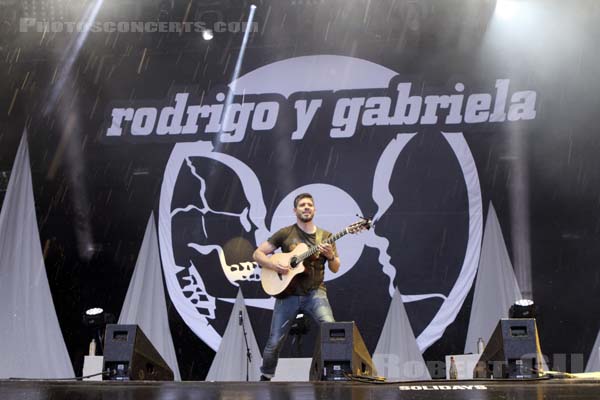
x=364, y=140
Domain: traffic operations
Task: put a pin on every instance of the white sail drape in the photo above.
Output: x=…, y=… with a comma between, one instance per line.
x=397, y=355
x=593, y=364
x=496, y=287
x=31, y=342
x=145, y=303
x=230, y=361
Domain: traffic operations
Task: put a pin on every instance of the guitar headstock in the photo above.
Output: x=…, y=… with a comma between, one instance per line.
x=359, y=226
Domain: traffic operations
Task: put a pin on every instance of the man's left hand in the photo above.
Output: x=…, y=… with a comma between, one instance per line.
x=327, y=251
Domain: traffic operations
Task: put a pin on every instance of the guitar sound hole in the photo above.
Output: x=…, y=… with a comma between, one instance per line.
x=293, y=262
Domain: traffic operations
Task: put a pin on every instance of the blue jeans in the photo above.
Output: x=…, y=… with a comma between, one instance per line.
x=315, y=304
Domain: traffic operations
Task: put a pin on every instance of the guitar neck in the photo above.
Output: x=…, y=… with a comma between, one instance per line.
x=314, y=249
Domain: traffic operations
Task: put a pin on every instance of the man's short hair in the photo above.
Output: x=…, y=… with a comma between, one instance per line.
x=302, y=196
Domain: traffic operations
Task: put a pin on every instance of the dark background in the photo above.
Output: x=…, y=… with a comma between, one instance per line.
x=93, y=198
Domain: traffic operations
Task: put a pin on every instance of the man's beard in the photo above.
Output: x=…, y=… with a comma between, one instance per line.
x=302, y=218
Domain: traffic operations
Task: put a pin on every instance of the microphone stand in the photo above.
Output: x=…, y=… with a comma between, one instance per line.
x=248, y=353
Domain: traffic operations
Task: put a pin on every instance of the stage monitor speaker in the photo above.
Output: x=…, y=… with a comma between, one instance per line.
x=340, y=351
x=129, y=355
x=513, y=351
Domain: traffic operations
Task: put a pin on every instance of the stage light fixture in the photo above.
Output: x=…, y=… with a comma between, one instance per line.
x=506, y=9
x=93, y=317
x=523, y=308
x=524, y=302
x=97, y=318
x=207, y=34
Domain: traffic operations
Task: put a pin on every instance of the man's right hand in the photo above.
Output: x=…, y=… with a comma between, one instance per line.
x=261, y=257
x=281, y=269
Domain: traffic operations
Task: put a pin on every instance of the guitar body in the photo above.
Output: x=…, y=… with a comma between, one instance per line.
x=274, y=283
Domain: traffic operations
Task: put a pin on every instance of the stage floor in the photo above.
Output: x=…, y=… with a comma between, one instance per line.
x=439, y=389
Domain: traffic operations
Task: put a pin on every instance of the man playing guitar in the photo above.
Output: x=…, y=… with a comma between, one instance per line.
x=306, y=293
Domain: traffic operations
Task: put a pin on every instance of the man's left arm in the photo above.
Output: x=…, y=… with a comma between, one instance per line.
x=334, y=264
x=330, y=253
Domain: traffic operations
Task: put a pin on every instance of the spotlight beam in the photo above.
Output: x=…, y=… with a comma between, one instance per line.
x=70, y=127
x=71, y=54
x=224, y=137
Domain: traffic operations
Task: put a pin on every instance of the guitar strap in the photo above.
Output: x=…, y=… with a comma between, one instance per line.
x=319, y=236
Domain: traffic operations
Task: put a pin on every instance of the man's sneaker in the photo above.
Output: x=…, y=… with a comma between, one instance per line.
x=264, y=378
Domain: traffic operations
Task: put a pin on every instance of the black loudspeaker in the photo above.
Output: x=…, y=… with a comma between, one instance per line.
x=513, y=351
x=340, y=351
x=129, y=355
